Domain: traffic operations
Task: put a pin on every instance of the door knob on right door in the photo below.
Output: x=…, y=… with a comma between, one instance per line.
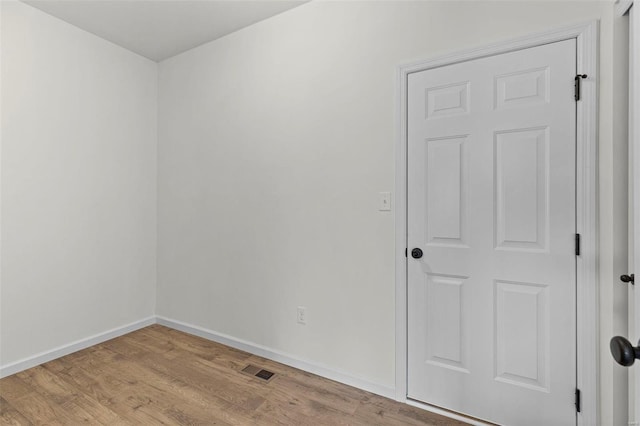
x=627, y=278
x=623, y=351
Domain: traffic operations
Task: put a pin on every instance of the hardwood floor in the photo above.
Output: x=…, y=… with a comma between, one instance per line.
x=162, y=376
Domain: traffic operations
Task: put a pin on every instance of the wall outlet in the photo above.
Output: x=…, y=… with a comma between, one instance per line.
x=302, y=315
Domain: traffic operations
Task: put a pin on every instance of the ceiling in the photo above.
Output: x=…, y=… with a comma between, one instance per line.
x=159, y=29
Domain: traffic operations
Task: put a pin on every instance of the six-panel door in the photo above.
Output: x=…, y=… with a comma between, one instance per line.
x=491, y=203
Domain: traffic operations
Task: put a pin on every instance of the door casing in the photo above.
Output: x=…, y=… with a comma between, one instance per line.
x=586, y=36
x=630, y=8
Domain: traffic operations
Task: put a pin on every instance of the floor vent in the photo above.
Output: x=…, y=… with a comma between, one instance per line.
x=264, y=374
x=261, y=373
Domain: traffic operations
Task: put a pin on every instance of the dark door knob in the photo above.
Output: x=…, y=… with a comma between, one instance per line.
x=627, y=278
x=416, y=253
x=623, y=351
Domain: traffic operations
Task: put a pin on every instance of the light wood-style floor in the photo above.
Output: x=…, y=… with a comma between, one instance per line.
x=162, y=376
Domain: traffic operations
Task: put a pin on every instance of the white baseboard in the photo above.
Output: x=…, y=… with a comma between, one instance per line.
x=280, y=357
x=41, y=358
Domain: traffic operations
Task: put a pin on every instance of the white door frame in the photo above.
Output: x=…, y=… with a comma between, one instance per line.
x=626, y=7
x=586, y=36
x=634, y=140
x=622, y=7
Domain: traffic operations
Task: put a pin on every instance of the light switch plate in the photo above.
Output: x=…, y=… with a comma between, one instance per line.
x=385, y=202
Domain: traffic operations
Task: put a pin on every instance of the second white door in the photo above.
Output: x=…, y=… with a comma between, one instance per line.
x=491, y=208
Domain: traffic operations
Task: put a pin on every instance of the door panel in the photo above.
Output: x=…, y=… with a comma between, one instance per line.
x=491, y=203
x=521, y=189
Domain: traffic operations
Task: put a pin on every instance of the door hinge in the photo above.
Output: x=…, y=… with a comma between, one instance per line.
x=576, y=85
x=578, y=407
x=577, y=244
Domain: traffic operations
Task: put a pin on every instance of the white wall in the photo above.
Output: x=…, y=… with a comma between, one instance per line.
x=78, y=171
x=273, y=145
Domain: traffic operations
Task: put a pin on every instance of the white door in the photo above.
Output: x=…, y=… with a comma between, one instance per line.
x=491, y=205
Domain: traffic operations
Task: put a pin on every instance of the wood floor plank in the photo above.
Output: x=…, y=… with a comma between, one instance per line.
x=379, y=411
x=157, y=375
x=73, y=400
x=201, y=377
x=148, y=390
x=39, y=410
x=102, y=388
x=92, y=412
x=48, y=385
x=13, y=387
x=116, y=390
x=10, y=416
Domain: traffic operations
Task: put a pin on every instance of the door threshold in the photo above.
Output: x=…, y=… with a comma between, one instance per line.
x=448, y=413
